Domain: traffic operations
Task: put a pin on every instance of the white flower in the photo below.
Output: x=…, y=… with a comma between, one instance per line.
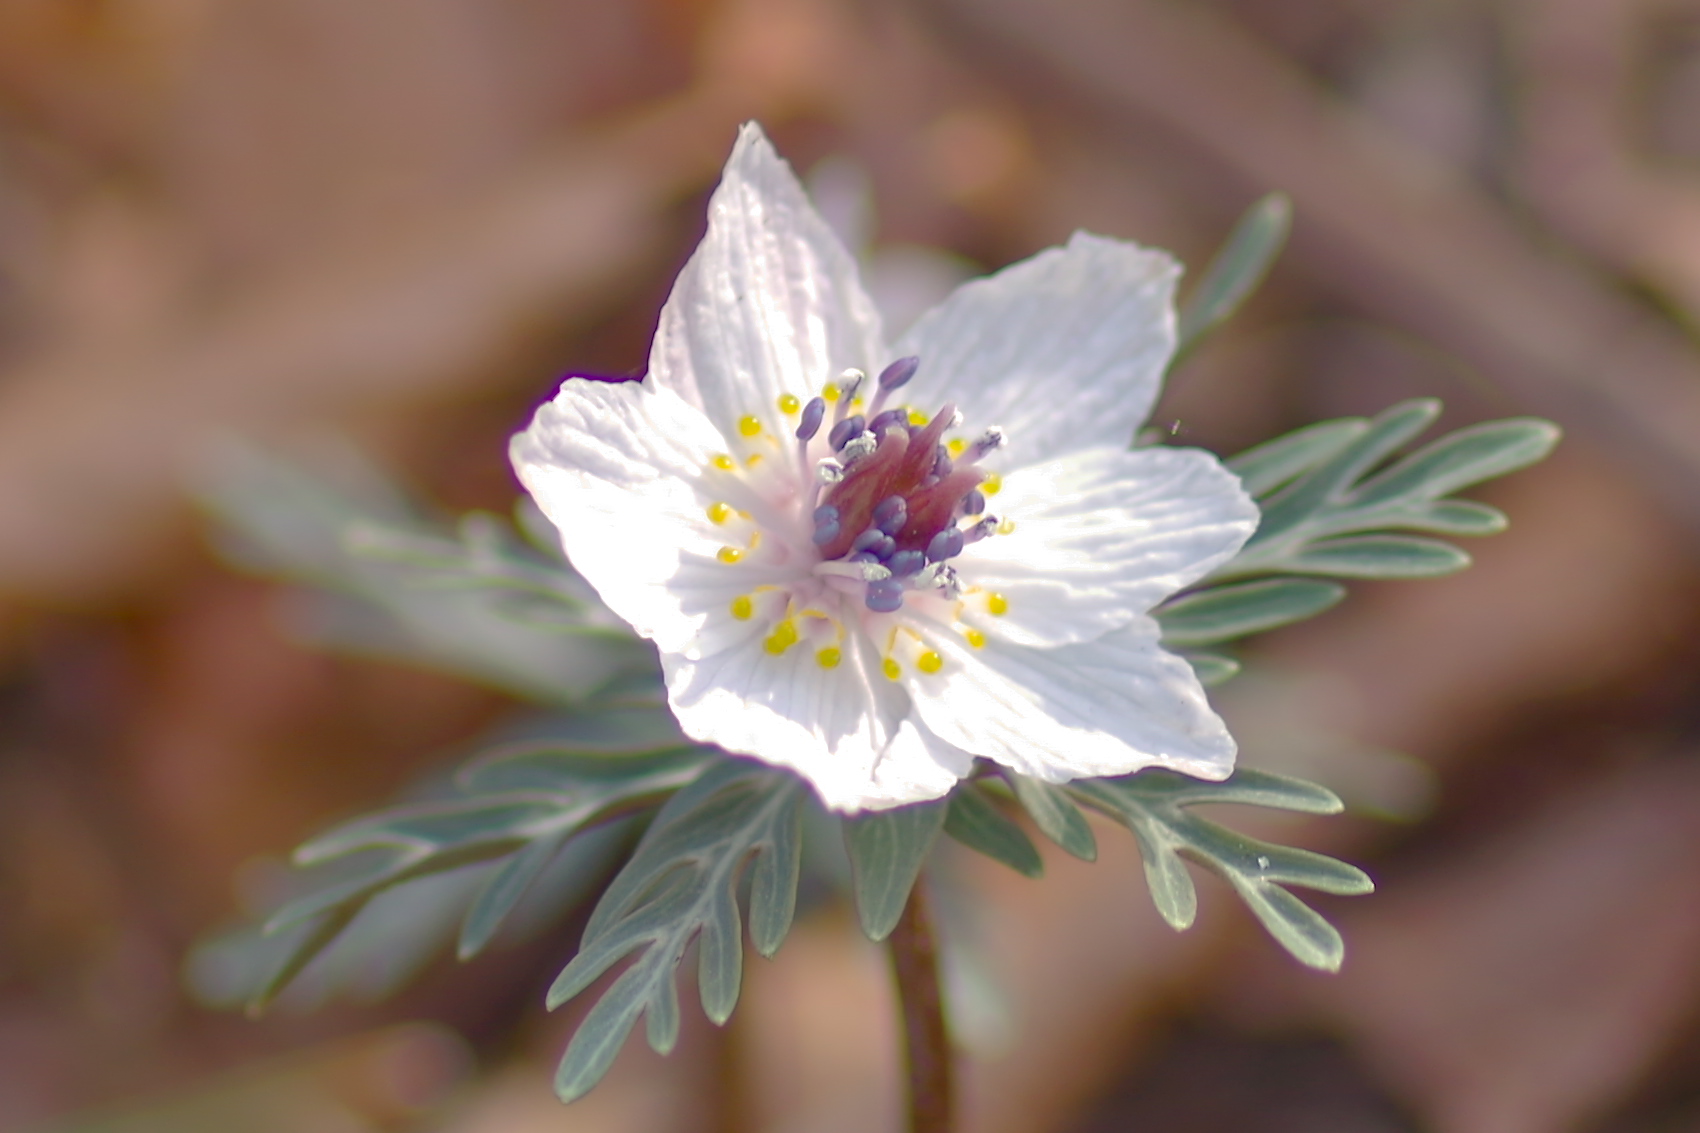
x=855, y=576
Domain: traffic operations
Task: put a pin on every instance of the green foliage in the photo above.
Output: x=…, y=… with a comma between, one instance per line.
x=514, y=810
x=975, y=820
x=1055, y=814
x=1152, y=804
x=681, y=884
x=1334, y=505
x=886, y=851
x=1236, y=271
x=1326, y=508
x=377, y=578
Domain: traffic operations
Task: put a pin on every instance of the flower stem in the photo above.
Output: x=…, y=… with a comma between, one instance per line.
x=926, y=1043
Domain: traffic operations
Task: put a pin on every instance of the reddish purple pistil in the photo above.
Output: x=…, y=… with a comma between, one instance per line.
x=911, y=464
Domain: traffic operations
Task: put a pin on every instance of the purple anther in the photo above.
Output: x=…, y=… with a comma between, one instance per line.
x=984, y=529
x=813, y=414
x=891, y=514
x=845, y=431
x=875, y=541
x=947, y=544
x=973, y=503
x=862, y=557
x=826, y=525
x=941, y=462
x=988, y=441
x=905, y=563
x=899, y=372
x=885, y=420
x=885, y=596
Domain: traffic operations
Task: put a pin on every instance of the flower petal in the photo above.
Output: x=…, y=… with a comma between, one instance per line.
x=618, y=469
x=845, y=730
x=1105, y=707
x=769, y=304
x=1065, y=350
x=1102, y=536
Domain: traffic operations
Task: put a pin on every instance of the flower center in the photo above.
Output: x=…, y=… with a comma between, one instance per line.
x=887, y=502
x=897, y=496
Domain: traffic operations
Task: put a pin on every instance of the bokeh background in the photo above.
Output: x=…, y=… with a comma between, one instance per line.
x=393, y=224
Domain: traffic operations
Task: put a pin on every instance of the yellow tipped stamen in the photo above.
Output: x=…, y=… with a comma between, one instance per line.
x=749, y=426
x=719, y=512
x=997, y=605
x=956, y=446
x=991, y=484
x=723, y=462
x=917, y=418
x=891, y=668
x=753, y=459
x=855, y=403
x=831, y=392
x=929, y=662
x=783, y=637
x=729, y=554
x=788, y=404
x=975, y=638
x=828, y=658
x=742, y=607
x=1006, y=526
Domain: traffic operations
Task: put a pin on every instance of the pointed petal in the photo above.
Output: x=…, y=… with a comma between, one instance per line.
x=1065, y=350
x=1102, y=536
x=1105, y=707
x=845, y=730
x=769, y=304
x=620, y=470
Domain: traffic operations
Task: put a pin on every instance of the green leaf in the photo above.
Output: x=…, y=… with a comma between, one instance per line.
x=379, y=579
x=1275, y=463
x=1223, y=613
x=1152, y=804
x=1211, y=668
x=886, y=851
x=1378, y=556
x=1055, y=814
x=1237, y=269
x=975, y=821
x=516, y=810
x=1327, y=510
x=681, y=884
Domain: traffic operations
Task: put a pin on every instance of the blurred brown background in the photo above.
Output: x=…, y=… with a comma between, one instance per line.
x=400, y=220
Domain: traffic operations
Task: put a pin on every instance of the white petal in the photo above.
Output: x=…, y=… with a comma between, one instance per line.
x=1102, y=536
x=1065, y=350
x=846, y=730
x=1105, y=707
x=619, y=469
x=769, y=304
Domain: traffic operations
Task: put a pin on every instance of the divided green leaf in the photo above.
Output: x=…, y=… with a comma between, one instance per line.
x=681, y=884
x=1153, y=805
x=975, y=820
x=517, y=807
x=1326, y=508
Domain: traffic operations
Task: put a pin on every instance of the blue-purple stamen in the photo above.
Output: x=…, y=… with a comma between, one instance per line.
x=876, y=541
x=845, y=431
x=945, y=545
x=884, y=596
x=891, y=514
x=973, y=503
x=984, y=529
x=890, y=417
x=813, y=414
x=988, y=441
x=899, y=372
x=905, y=563
x=826, y=525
